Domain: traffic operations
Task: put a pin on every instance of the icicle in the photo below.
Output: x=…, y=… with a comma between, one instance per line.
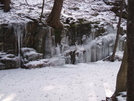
x=93, y=48
x=64, y=39
x=51, y=41
x=88, y=55
x=49, y=49
x=81, y=57
x=19, y=36
x=99, y=52
x=93, y=53
x=58, y=52
x=77, y=59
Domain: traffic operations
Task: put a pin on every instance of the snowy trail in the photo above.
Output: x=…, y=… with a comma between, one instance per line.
x=81, y=82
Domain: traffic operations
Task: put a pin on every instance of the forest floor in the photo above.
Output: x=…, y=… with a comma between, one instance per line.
x=81, y=82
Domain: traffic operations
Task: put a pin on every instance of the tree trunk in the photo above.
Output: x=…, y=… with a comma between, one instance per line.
x=2, y=1
x=121, y=82
x=6, y=5
x=26, y=2
x=54, y=18
x=118, y=33
x=42, y=10
x=130, y=43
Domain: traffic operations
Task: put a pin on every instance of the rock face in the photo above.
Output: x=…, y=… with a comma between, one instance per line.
x=31, y=45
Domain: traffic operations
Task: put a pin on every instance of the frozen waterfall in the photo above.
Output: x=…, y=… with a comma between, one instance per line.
x=93, y=48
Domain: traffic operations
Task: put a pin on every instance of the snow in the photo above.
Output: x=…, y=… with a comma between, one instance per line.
x=91, y=10
x=122, y=96
x=93, y=81
x=82, y=82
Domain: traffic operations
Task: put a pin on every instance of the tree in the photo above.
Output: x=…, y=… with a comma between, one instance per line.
x=122, y=75
x=42, y=10
x=130, y=45
x=26, y=2
x=54, y=17
x=127, y=67
x=118, y=32
x=6, y=5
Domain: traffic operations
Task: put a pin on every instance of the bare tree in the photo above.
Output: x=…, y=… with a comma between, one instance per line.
x=121, y=81
x=42, y=10
x=118, y=32
x=54, y=18
x=26, y=2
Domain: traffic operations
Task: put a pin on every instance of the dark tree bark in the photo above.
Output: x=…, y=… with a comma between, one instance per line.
x=6, y=5
x=54, y=18
x=2, y=1
x=121, y=82
x=130, y=43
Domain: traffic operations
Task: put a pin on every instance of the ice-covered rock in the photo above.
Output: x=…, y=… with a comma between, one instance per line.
x=8, y=61
x=30, y=54
x=36, y=64
x=82, y=41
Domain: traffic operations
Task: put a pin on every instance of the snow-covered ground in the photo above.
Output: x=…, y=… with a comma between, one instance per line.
x=91, y=10
x=82, y=82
